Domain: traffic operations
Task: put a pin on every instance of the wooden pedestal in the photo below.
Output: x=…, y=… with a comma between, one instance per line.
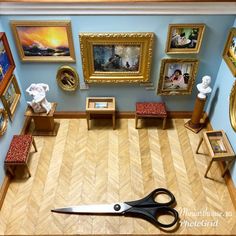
x=194, y=124
x=43, y=123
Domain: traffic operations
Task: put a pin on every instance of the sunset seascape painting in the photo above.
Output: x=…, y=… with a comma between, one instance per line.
x=44, y=40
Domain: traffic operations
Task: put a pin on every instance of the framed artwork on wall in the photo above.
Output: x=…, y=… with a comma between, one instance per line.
x=116, y=57
x=232, y=106
x=11, y=97
x=44, y=41
x=177, y=76
x=184, y=38
x=3, y=121
x=67, y=78
x=7, y=64
x=229, y=53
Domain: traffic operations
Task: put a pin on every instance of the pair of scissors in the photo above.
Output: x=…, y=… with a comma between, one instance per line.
x=147, y=208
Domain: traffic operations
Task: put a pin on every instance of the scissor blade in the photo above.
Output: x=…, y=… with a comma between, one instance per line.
x=94, y=209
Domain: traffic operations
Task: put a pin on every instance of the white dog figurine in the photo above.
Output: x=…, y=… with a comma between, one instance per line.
x=39, y=102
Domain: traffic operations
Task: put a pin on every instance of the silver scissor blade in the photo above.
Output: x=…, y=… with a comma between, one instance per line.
x=116, y=208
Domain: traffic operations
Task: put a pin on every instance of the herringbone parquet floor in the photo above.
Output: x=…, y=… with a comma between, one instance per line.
x=105, y=166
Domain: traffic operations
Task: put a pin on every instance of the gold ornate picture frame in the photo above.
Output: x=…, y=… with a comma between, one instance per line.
x=67, y=78
x=229, y=53
x=44, y=41
x=116, y=57
x=3, y=121
x=232, y=106
x=184, y=38
x=177, y=76
x=11, y=97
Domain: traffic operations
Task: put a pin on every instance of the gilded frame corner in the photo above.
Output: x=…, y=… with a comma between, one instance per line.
x=44, y=55
x=184, y=45
x=229, y=49
x=91, y=43
x=168, y=84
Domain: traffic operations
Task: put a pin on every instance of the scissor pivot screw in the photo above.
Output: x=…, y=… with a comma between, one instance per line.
x=117, y=207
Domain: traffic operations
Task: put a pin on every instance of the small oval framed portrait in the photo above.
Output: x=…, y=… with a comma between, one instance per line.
x=3, y=121
x=67, y=78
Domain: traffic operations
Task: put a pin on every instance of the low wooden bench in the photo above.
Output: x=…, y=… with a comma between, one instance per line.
x=150, y=109
x=18, y=152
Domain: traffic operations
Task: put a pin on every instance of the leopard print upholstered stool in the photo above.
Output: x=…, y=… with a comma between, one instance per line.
x=18, y=152
x=150, y=109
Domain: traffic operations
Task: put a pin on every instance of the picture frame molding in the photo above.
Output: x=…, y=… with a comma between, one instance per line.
x=11, y=110
x=196, y=50
x=165, y=61
x=48, y=23
x=3, y=127
x=232, y=106
x=7, y=76
x=72, y=71
x=144, y=39
x=232, y=67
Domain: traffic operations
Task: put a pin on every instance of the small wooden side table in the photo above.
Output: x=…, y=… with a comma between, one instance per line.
x=100, y=105
x=43, y=122
x=219, y=148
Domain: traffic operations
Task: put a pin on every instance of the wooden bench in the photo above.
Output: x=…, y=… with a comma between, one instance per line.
x=18, y=152
x=150, y=109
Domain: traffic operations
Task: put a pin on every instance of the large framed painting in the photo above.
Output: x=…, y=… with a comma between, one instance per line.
x=116, y=57
x=11, y=96
x=44, y=41
x=177, y=76
x=7, y=64
x=229, y=53
x=184, y=38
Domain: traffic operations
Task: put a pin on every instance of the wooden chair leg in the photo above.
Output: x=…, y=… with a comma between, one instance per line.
x=199, y=144
x=208, y=168
x=164, y=123
x=226, y=167
x=27, y=168
x=136, y=121
x=34, y=144
x=10, y=170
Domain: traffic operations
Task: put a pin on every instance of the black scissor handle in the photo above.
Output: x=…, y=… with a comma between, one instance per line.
x=152, y=214
x=149, y=200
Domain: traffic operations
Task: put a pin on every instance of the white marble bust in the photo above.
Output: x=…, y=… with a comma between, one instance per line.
x=39, y=102
x=204, y=87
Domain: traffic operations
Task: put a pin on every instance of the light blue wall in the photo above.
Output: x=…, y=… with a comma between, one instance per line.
x=218, y=106
x=12, y=127
x=126, y=95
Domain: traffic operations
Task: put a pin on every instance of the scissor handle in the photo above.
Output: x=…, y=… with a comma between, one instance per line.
x=152, y=214
x=149, y=200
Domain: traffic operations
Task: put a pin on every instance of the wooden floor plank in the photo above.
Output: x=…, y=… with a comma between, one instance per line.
x=102, y=165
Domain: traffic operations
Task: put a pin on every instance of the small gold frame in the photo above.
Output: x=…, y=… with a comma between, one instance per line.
x=3, y=121
x=67, y=78
x=191, y=43
x=42, y=48
x=169, y=85
x=133, y=50
x=11, y=97
x=232, y=106
x=229, y=49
